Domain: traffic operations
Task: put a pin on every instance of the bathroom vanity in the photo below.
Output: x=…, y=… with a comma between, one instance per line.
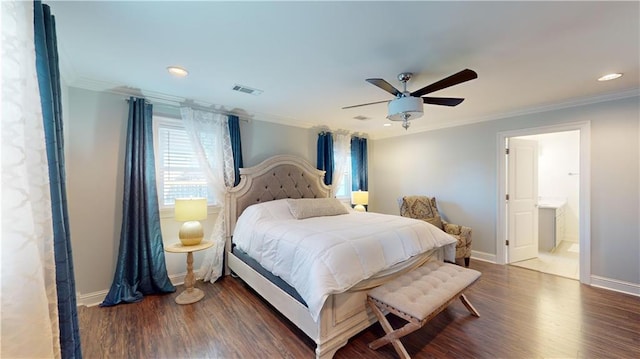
x=550, y=224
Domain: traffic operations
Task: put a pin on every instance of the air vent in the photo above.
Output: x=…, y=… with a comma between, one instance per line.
x=246, y=89
x=361, y=118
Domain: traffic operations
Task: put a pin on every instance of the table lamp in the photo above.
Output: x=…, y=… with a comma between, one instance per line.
x=190, y=211
x=360, y=198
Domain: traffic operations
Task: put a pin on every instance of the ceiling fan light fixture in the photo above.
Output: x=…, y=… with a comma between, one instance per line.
x=405, y=109
x=409, y=105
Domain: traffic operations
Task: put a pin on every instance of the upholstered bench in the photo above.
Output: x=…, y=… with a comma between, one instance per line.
x=417, y=297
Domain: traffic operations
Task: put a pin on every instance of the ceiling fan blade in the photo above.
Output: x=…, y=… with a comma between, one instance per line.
x=458, y=78
x=365, y=104
x=385, y=86
x=445, y=101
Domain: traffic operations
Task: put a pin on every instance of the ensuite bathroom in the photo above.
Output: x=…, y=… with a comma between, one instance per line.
x=558, y=204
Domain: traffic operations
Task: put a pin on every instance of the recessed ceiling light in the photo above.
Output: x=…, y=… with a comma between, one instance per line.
x=387, y=125
x=610, y=77
x=177, y=71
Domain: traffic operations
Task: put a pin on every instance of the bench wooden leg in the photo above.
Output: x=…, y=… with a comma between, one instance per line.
x=470, y=307
x=393, y=336
x=380, y=302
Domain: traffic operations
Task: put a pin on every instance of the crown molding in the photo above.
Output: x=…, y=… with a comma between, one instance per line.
x=176, y=101
x=532, y=110
x=68, y=73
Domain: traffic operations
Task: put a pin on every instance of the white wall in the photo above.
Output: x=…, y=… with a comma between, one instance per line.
x=261, y=140
x=95, y=131
x=95, y=146
x=458, y=166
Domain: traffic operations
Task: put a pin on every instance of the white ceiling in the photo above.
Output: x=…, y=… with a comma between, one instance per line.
x=312, y=58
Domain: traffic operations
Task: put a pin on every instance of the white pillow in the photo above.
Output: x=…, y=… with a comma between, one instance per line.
x=271, y=210
x=316, y=207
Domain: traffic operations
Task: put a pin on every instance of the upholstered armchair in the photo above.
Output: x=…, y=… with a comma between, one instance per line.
x=425, y=208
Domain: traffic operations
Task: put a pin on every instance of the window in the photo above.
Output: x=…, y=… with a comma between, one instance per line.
x=178, y=172
x=344, y=190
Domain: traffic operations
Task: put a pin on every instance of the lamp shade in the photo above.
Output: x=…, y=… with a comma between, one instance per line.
x=190, y=209
x=405, y=109
x=360, y=197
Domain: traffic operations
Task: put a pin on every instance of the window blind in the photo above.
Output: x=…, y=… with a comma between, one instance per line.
x=179, y=172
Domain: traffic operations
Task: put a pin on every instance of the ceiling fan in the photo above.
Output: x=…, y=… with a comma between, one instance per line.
x=408, y=105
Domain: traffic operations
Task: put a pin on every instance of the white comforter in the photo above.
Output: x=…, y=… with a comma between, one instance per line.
x=323, y=255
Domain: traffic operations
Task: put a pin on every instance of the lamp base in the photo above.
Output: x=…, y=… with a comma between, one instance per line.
x=191, y=233
x=190, y=296
x=360, y=208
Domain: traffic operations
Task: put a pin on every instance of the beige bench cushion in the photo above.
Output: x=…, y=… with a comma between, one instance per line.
x=423, y=290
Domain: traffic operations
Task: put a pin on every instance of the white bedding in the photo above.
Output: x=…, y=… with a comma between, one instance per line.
x=320, y=256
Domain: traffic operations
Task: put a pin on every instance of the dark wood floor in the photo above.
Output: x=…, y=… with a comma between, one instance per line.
x=525, y=314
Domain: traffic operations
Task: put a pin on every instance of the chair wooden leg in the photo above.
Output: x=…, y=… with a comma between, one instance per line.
x=470, y=307
x=466, y=262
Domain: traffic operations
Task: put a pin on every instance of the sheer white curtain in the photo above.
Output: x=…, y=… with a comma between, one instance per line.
x=209, y=133
x=28, y=305
x=341, y=157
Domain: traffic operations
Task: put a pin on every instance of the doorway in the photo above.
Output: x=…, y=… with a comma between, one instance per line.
x=556, y=225
x=556, y=250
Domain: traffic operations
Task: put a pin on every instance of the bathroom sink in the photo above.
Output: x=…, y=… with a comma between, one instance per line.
x=551, y=203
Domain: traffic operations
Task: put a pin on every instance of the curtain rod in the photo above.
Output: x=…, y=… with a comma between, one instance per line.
x=345, y=132
x=177, y=104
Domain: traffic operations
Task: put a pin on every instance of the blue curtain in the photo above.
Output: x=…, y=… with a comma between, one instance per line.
x=236, y=146
x=325, y=156
x=359, y=171
x=141, y=269
x=50, y=97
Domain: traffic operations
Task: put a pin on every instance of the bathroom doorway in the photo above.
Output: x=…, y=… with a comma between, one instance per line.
x=558, y=221
x=558, y=204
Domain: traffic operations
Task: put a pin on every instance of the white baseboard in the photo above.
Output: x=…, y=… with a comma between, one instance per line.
x=91, y=299
x=615, y=285
x=178, y=279
x=482, y=256
x=596, y=281
x=95, y=298
x=571, y=238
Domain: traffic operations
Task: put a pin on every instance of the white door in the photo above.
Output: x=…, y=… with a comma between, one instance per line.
x=522, y=191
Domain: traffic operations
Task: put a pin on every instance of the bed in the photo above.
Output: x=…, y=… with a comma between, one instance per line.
x=329, y=305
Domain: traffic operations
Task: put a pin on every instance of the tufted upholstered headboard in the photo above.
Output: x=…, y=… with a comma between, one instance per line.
x=278, y=177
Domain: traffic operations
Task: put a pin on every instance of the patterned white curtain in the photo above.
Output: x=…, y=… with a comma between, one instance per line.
x=28, y=303
x=341, y=157
x=209, y=133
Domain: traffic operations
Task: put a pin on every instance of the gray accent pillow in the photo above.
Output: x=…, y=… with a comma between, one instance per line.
x=316, y=207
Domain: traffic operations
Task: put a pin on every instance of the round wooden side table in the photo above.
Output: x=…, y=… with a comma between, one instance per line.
x=190, y=294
